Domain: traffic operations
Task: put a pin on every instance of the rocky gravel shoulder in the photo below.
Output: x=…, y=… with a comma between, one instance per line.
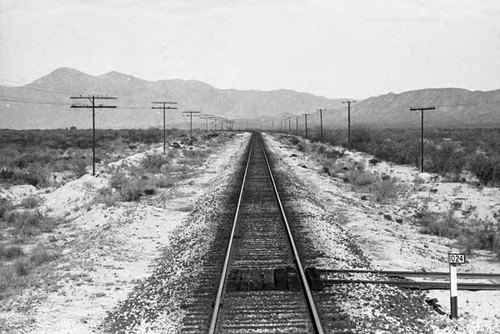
x=388, y=238
x=109, y=256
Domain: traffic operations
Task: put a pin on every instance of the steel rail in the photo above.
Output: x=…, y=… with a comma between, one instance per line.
x=307, y=289
x=222, y=282
x=419, y=285
x=409, y=273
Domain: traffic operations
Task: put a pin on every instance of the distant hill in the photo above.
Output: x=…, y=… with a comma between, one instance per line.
x=134, y=96
x=454, y=108
x=45, y=103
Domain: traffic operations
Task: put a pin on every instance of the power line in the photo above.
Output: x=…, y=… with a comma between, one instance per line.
x=30, y=101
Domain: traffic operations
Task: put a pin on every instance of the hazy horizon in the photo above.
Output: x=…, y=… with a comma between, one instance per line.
x=333, y=49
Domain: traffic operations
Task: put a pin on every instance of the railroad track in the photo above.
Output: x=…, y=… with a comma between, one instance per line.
x=256, y=284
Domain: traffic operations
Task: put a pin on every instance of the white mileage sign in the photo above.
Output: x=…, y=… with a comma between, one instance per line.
x=456, y=258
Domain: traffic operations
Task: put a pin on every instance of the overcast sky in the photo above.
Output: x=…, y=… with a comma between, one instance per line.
x=334, y=48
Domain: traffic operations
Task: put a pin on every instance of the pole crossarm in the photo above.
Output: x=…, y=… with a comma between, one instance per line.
x=422, y=108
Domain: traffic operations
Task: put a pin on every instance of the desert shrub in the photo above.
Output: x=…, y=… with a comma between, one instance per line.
x=359, y=178
x=106, y=196
x=333, y=154
x=302, y=147
x=117, y=180
x=486, y=169
x=30, y=202
x=384, y=190
x=5, y=207
x=40, y=255
x=79, y=167
x=481, y=234
x=195, y=154
x=131, y=191
x=10, y=252
x=153, y=162
x=163, y=181
x=30, y=223
x=20, y=268
x=441, y=225
x=448, y=158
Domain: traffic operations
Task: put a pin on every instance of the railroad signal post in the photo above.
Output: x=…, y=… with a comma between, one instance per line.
x=164, y=107
x=349, y=122
x=421, y=109
x=92, y=100
x=454, y=259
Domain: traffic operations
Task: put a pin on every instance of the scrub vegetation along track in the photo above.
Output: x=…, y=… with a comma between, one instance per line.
x=263, y=286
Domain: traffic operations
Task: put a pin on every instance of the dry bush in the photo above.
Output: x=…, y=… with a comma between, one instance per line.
x=442, y=225
x=30, y=223
x=384, y=190
x=40, y=255
x=154, y=162
x=10, y=252
x=31, y=202
x=481, y=234
x=359, y=178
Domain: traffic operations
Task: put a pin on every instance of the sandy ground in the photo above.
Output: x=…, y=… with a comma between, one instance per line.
x=106, y=251
x=393, y=245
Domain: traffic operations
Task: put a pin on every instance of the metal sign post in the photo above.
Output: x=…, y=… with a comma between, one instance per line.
x=454, y=259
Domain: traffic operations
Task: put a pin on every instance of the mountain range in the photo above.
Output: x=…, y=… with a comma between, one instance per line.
x=45, y=104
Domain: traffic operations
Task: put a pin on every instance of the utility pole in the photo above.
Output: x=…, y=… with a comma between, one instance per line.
x=305, y=123
x=206, y=117
x=349, y=122
x=289, y=125
x=92, y=100
x=191, y=123
x=164, y=107
x=422, y=133
x=321, y=125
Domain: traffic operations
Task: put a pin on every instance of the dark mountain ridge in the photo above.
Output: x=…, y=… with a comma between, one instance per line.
x=45, y=103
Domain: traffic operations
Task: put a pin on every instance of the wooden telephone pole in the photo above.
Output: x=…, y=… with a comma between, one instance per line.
x=321, y=125
x=92, y=105
x=349, y=122
x=191, y=123
x=164, y=107
x=421, y=109
x=206, y=117
x=305, y=123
